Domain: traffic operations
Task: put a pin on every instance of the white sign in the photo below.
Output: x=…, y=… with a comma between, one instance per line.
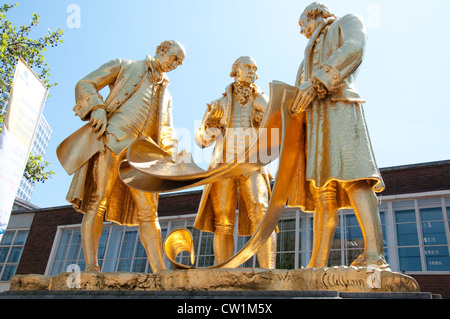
x=26, y=102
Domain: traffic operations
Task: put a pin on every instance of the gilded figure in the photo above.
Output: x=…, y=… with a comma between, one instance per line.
x=231, y=122
x=337, y=166
x=138, y=106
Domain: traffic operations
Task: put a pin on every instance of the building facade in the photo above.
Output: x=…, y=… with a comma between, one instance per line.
x=414, y=209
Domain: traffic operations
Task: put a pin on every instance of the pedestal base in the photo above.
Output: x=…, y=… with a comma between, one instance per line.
x=341, y=279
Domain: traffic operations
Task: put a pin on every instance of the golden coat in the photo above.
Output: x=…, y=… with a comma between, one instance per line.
x=336, y=141
x=77, y=152
x=205, y=215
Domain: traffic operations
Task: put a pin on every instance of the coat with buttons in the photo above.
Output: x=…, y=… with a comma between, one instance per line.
x=337, y=146
x=124, y=77
x=205, y=214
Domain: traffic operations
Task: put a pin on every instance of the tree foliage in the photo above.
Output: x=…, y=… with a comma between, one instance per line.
x=16, y=42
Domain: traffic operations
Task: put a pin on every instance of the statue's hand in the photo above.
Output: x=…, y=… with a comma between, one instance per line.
x=305, y=96
x=173, y=153
x=98, y=121
x=257, y=116
x=215, y=112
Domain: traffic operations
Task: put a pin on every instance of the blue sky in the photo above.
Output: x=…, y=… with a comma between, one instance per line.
x=404, y=76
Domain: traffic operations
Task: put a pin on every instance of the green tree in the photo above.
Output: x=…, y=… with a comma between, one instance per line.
x=16, y=42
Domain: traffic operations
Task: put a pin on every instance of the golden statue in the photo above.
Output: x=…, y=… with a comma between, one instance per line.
x=326, y=159
x=138, y=106
x=337, y=167
x=232, y=122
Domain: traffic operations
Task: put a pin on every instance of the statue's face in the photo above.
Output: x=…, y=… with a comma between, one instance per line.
x=308, y=25
x=171, y=59
x=246, y=73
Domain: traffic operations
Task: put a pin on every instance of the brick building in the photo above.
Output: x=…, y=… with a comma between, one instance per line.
x=414, y=209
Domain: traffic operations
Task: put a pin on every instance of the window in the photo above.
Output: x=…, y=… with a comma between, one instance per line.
x=434, y=239
x=407, y=236
x=286, y=239
x=416, y=237
x=205, y=253
x=119, y=250
x=11, y=247
x=422, y=234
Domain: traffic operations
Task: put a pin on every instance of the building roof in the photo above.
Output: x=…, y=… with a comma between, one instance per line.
x=416, y=178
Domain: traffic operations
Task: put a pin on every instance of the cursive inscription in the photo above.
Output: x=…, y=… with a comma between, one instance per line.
x=330, y=280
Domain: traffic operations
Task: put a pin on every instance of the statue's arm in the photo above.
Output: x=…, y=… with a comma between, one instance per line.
x=87, y=97
x=168, y=134
x=300, y=75
x=345, y=60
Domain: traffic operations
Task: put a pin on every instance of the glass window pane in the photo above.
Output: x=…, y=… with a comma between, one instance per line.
x=434, y=233
x=286, y=224
x=337, y=239
x=7, y=238
x=140, y=251
x=285, y=261
x=103, y=242
x=21, y=237
x=205, y=261
x=14, y=256
x=128, y=244
x=114, y=242
x=407, y=234
x=3, y=254
x=286, y=241
x=66, y=235
x=139, y=265
x=405, y=216
x=335, y=258
x=409, y=259
x=206, y=245
x=437, y=258
x=124, y=265
x=354, y=237
x=429, y=214
x=57, y=268
x=350, y=220
x=10, y=270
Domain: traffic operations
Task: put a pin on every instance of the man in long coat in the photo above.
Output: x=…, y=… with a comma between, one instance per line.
x=232, y=122
x=337, y=167
x=138, y=105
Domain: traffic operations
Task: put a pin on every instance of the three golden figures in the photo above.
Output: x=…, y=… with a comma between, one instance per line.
x=326, y=161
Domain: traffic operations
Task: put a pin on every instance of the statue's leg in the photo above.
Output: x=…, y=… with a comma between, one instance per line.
x=365, y=204
x=223, y=196
x=149, y=228
x=255, y=192
x=104, y=175
x=326, y=219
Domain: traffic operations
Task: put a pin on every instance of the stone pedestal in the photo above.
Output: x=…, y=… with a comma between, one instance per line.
x=341, y=279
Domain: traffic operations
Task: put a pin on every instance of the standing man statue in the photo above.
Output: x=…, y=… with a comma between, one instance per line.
x=232, y=122
x=338, y=168
x=138, y=105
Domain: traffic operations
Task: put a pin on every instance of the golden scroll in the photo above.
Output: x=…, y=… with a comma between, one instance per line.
x=149, y=169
